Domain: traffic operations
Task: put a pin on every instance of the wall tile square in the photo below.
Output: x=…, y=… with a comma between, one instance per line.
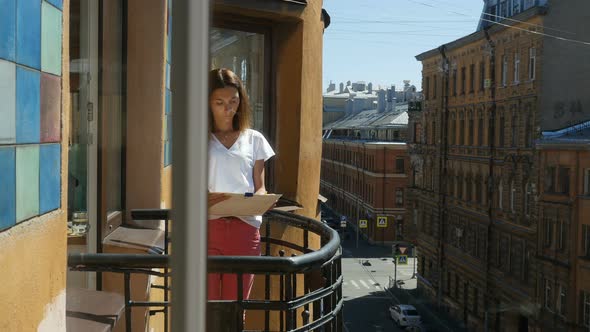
x=50, y=108
x=167, y=76
x=28, y=33
x=8, y=29
x=7, y=102
x=168, y=101
x=51, y=39
x=56, y=3
x=49, y=177
x=27, y=182
x=28, y=95
x=8, y=185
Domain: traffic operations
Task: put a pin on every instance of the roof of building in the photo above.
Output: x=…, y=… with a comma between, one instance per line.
x=373, y=119
x=576, y=135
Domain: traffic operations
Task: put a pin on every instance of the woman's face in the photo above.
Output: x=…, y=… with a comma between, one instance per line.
x=224, y=103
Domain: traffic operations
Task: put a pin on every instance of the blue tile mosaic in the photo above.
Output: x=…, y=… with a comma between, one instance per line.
x=28, y=105
x=8, y=29
x=56, y=3
x=51, y=32
x=28, y=33
x=168, y=101
x=7, y=102
x=49, y=177
x=8, y=185
x=27, y=182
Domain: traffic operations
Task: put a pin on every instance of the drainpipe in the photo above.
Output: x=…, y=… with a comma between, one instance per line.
x=491, y=144
x=442, y=170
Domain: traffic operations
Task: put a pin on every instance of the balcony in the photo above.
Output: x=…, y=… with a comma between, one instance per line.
x=301, y=291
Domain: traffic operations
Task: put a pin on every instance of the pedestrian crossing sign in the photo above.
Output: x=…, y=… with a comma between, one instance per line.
x=363, y=223
x=382, y=221
x=402, y=259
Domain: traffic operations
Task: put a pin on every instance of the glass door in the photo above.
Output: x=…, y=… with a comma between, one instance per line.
x=82, y=147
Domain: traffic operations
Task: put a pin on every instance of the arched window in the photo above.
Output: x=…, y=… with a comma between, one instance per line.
x=512, y=196
x=527, y=199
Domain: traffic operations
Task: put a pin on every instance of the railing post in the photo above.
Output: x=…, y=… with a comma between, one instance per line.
x=127, y=280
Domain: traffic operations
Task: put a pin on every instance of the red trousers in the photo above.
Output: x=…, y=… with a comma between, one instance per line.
x=230, y=237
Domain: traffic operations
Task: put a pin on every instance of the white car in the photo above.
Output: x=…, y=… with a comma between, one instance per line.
x=405, y=315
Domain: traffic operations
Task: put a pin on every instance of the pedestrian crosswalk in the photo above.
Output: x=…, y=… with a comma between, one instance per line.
x=363, y=284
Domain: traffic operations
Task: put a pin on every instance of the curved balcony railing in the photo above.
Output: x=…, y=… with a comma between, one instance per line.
x=302, y=289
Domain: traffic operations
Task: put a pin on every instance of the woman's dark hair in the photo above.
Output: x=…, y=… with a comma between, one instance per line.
x=222, y=78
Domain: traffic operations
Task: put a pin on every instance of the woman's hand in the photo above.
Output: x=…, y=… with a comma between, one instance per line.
x=215, y=198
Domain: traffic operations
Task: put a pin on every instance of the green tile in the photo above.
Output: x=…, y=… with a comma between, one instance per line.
x=27, y=182
x=51, y=32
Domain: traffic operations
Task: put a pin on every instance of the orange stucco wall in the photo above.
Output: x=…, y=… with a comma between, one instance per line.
x=33, y=258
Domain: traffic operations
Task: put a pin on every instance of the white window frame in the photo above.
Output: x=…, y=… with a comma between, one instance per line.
x=516, y=68
x=500, y=196
x=532, y=63
x=504, y=69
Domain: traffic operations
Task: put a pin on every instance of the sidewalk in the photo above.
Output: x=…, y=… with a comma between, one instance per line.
x=433, y=318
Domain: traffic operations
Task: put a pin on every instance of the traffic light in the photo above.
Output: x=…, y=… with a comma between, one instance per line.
x=397, y=251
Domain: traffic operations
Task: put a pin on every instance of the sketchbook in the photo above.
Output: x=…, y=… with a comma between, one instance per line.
x=241, y=205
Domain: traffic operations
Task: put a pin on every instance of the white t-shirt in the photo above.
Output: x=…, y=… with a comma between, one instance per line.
x=230, y=170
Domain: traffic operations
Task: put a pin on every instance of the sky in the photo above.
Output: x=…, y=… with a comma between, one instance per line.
x=377, y=40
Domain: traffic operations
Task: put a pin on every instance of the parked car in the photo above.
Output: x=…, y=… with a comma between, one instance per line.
x=405, y=315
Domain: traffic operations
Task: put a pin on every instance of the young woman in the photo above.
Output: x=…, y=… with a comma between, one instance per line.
x=236, y=165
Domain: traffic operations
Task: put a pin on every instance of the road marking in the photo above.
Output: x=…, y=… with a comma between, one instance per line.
x=355, y=284
x=364, y=284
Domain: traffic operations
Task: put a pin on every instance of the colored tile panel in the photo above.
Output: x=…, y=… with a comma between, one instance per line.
x=7, y=102
x=51, y=33
x=168, y=101
x=56, y=3
x=50, y=108
x=49, y=177
x=8, y=29
x=8, y=185
x=167, y=76
x=27, y=182
x=28, y=95
x=28, y=33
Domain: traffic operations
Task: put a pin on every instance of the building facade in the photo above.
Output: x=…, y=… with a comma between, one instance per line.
x=365, y=173
x=474, y=189
x=563, y=236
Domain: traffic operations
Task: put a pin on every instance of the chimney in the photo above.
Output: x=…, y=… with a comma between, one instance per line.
x=389, y=99
x=370, y=87
x=341, y=87
x=331, y=87
x=380, y=100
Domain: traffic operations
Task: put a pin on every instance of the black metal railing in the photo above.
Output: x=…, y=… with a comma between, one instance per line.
x=302, y=281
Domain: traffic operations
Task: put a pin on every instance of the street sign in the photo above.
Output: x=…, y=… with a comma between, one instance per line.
x=402, y=259
x=342, y=221
x=402, y=250
x=363, y=223
x=342, y=218
x=381, y=221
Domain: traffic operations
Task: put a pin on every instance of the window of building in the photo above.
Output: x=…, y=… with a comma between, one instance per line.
x=587, y=181
x=452, y=132
x=503, y=10
x=463, y=80
x=435, y=79
x=514, y=124
x=471, y=78
x=515, y=7
x=480, y=132
x=399, y=165
x=501, y=132
x=561, y=235
x=548, y=238
x=548, y=295
x=585, y=299
x=564, y=180
x=482, y=76
x=550, y=179
x=528, y=140
x=527, y=199
x=516, y=68
x=562, y=300
x=471, y=129
x=493, y=13
x=500, y=196
x=433, y=134
x=504, y=64
x=399, y=197
x=469, y=189
x=532, y=62
x=462, y=131
x=478, y=187
x=460, y=187
x=454, y=83
x=512, y=196
x=528, y=4
x=586, y=240
x=426, y=87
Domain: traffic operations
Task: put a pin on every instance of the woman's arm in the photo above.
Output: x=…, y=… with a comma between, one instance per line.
x=258, y=175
